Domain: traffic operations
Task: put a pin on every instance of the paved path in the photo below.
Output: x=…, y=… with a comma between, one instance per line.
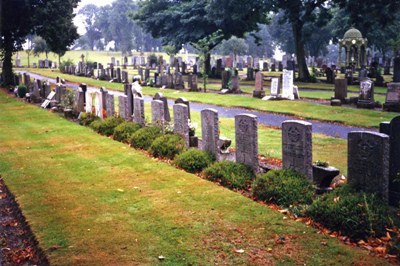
x=268, y=119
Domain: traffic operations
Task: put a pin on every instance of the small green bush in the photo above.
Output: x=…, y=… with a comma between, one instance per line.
x=167, y=146
x=106, y=127
x=87, y=118
x=230, y=174
x=283, y=187
x=123, y=131
x=194, y=160
x=355, y=214
x=143, y=138
x=22, y=90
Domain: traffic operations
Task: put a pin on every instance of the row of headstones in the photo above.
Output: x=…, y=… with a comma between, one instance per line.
x=366, y=95
x=289, y=91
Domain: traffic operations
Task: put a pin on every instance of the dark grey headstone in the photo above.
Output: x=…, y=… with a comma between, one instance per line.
x=110, y=105
x=160, y=96
x=246, y=135
x=123, y=108
x=368, y=162
x=394, y=161
x=139, y=111
x=341, y=89
x=181, y=121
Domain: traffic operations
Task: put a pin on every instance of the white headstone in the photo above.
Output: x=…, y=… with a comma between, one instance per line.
x=287, y=84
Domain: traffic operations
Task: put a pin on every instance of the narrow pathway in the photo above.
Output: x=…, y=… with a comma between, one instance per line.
x=264, y=118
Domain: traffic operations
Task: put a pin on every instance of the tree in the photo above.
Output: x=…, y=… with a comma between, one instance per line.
x=234, y=46
x=260, y=43
x=181, y=22
x=29, y=48
x=15, y=24
x=40, y=46
x=92, y=34
x=298, y=13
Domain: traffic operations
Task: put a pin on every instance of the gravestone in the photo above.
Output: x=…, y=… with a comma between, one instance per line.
x=287, y=84
x=384, y=127
x=341, y=89
x=147, y=74
x=192, y=80
x=46, y=89
x=229, y=62
x=79, y=104
x=235, y=84
x=130, y=97
x=123, y=108
x=394, y=163
x=36, y=92
x=160, y=96
x=366, y=96
x=139, y=111
x=181, y=121
x=280, y=66
x=184, y=101
x=265, y=66
x=48, y=100
x=246, y=136
x=170, y=81
x=60, y=92
x=274, y=87
x=297, y=147
x=368, y=162
x=157, y=113
x=330, y=76
x=179, y=84
x=110, y=105
x=219, y=68
x=140, y=70
x=273, y=67
x=392, y=102
x=259, y=90
x=125, y=78
x=210, y=131
x=250, y=74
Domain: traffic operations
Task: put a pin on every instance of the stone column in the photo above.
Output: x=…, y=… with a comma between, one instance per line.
x=297, y=147
x=246, y=136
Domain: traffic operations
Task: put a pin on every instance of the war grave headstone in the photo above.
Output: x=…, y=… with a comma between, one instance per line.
x=366, y=96
x=250, y=73
x=60, y=92
x=246, y=136
x=273, y=67
x=192, y=82
x=159, y=96
x=368, y=162
x=157, y=113
x=210, y=131
x=259, y=86
x=179, y=83
x=184, y=101
x=123, y=108
x=297, y=147
x=48, y=100
x=341, y=90
x=170, y=81
x=181, y=121
x=287, y=85
x=139, y=111
x=79, y=104
x=394, y=164
x=392, y=102
x=235, y=84
x=130, y=98
x=274, y=87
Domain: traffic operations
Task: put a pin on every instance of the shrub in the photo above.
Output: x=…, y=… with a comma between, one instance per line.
x=355, y=214
x=65, y=63
x=124, y=130
x=143, y=138
x=22, y=90
x=167, y=146
x=87, y=118
x=106, y=126
x=194, y=160
x=283, y=187
x=230, y=174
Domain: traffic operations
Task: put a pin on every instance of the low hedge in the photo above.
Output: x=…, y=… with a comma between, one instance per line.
x=106, y=127
x=194, y=160
x=86, y=119
x=230, y=174
x=124, y=130
x=167, y=146
x=144, y=137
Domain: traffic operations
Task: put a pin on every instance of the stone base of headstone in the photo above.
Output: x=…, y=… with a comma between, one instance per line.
x=258, y=94
x=365, y=104
x=323, y=176
x=193, y=142
x=391, y=107
x=68, y=113
x=336, y=102
x=353, y=100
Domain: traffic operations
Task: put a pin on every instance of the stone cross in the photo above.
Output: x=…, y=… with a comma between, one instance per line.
x=210, y=130
x=368, y=162
x=297, y=147
x=181, y=121
x=157, y=111
x=139, y=111
x=246, y=136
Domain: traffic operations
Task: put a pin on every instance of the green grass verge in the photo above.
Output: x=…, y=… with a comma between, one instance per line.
x=103, y=203
x=348, y=116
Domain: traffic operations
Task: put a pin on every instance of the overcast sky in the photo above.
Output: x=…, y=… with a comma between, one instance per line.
x=82, y=3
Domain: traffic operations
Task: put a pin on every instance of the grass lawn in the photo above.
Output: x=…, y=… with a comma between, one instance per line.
x=348, y=116
x=93, y=201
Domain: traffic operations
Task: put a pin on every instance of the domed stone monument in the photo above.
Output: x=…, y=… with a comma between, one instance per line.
x=355, y=47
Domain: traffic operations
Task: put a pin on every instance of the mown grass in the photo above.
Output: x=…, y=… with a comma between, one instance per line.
x=93, y=201
x=348, y=116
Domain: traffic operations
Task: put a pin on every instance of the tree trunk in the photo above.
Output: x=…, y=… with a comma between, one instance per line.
x=8, y=76
x=304, y=75
x=207, y=63
x=396, y=69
